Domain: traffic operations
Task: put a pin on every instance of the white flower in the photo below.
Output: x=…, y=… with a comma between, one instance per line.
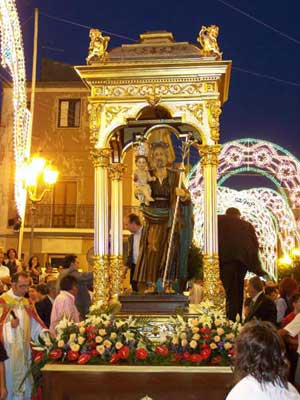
x=113, y=335
x=184, y=343
x=107, y=343
x=196, y=336
x=220, y=331
x=119, y=345
x=98, y=339
x=183, y=335
x=82, y=330
x=102, y=332
x=120, y=323
x=230, y=336
x=217, y=339
x=47, y=340
x=213, y=346
x=227, y=345
x=195, y=322
x=72, y=338
x=100, y=349
x=175, y=340
x=193, y=344
x=106, y=324
x=129, y=336
x=60, y=343
x=74, y=347
x=81, y=340
x=195, y=329
x=217, y=322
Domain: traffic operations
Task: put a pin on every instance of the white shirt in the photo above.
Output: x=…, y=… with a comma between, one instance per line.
x=249, y=388
x=4, y=271
x=136, y=244
x=256, y=297
x=293, y=329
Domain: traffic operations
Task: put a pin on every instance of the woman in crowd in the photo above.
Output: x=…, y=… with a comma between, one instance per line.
x=287, y=288
x=12, y=262
x=260, y=365
x=34, y=269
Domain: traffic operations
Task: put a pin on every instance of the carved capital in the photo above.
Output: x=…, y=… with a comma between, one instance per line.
x=209, y=154
x=214, y=111
x=116, y=171
x=100, y=157
x=112, y=111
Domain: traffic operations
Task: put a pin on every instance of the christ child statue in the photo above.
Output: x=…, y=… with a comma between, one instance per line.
x=141, y=177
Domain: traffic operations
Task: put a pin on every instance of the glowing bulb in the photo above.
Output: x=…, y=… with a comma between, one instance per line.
x=37, y=164
x=50, y=176
x=295, y=252
x=285, y=260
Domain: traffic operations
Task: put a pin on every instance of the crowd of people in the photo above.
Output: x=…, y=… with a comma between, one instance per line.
x=32, y=304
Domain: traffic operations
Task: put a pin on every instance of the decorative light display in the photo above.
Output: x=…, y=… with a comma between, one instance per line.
x=252, y=210
x=12, y=58
x=266, y=209
x=264, y=157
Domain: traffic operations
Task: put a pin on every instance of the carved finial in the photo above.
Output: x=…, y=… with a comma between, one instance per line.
x=208, y=40
x=98, y=46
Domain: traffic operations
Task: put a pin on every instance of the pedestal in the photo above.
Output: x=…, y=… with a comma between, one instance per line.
x=153, y=304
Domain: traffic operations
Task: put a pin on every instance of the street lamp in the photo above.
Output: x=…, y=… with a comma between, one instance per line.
x=36, y=171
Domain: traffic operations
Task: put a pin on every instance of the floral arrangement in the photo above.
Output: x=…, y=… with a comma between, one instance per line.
x=206, y=339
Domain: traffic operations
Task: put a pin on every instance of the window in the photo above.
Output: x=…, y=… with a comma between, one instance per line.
x=64, y=205
x=69, y=113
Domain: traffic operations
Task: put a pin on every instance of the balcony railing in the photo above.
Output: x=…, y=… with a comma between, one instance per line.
x=66, y=216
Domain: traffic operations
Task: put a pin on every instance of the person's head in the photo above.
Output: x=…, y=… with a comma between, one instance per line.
x=132, y=223
x=233, y=212
x=70, y=284
x=287, y=287
x=42, y=289
x=33, y=294
x=272, y=292
x=255, y=286
x=20, y=283
x=33, y=262
x=11, y=254
x=141, y=163
x=52, y=288
x=71, y=261
x=246, y=306
x=160, y=154
x=295, y=302
x=260, y=352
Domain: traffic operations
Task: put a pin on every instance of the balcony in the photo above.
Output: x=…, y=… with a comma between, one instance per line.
x=76, y=216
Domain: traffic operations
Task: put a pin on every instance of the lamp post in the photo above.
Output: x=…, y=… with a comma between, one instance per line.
x=35, y=172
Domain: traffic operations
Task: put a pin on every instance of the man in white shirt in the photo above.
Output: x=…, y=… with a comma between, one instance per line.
x=133, y=224
x=4, y=275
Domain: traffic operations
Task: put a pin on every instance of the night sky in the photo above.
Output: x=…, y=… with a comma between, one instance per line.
x=257, y=107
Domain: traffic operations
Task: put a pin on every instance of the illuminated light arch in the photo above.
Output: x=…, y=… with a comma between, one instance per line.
x=265, y=157
x=12, y=58
x=252, y=210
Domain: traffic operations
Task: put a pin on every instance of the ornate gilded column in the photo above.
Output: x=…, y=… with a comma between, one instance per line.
x=209, y=162
x=116, y=171
x=101, y=159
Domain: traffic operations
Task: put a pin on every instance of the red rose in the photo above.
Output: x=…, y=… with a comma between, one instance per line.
x=186, y=356
x=72, y=355
x=124, y=352
x=204, y=346
x=92, y=345
x=216, y=360
x=205, y=330
x=232, y=352
x=38, y=358
x=83, y=358
x=141, y=353
x=205, y=353
x=178, y=356
x=91, y=336
x=94, y=353
x=206, y=337
x=114, y=358
x=195, y=358
x=90, y=329
x=55, y=354
x=162, y=350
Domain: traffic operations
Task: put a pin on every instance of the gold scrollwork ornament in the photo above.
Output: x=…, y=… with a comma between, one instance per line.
x=100, y=157
x=214, y=111
x=116, y=171
x=209, y=154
